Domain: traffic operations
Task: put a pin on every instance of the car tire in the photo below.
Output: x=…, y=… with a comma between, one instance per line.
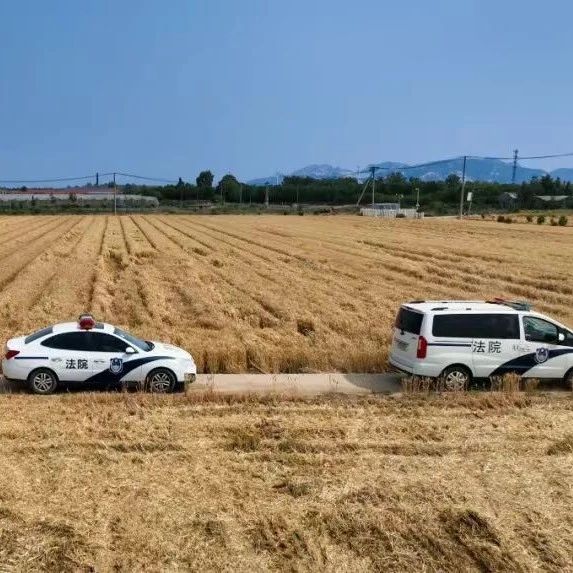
x=456, y=378
x=161, y=381
x=569, y=380
x=42, y=381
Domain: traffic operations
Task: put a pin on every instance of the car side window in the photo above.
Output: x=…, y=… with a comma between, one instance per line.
x=539, y=330
x=78, y=341
x=107, y=343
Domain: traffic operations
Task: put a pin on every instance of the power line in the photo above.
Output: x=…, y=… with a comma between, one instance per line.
x=56, y=180
x=155, y=179
x=548, y=156
x=369, y=170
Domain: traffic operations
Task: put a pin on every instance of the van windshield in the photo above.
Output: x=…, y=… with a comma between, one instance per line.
x=409, y=321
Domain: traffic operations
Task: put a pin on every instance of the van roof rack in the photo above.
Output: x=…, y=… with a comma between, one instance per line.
x=515, y=304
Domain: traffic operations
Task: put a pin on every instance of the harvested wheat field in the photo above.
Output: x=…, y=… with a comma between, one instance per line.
x=269, y=293
x=131, y=482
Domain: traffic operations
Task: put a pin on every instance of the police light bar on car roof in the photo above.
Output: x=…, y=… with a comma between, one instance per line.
x=515, y=304
x=86, y=321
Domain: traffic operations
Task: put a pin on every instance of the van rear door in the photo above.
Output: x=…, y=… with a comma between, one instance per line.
x=406, y=334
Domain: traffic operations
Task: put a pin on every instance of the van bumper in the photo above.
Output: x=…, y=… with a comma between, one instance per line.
x=418, y=368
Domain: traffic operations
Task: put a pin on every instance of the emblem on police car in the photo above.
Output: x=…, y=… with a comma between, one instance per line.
x=541, y=355
x=116, y=365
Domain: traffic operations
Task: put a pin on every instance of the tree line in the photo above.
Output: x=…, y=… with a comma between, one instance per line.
x=433, y=196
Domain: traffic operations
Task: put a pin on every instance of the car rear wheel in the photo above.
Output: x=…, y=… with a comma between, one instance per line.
x=456, y=378
x=42, y=381
x=161, y=381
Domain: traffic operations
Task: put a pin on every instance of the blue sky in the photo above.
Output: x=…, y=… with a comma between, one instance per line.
x=167, y=88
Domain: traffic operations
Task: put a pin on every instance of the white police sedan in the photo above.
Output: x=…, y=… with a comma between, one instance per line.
x=93, y=352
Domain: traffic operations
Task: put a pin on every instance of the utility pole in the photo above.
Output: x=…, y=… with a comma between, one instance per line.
x=373, y=169
x=463, y=187
x=97, y=179
x=515, y=152
x=417, y=198
x=114, y=196
x=372, y=173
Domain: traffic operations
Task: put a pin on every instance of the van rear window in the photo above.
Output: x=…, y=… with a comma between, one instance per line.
x=409, y=321
x=504, y=326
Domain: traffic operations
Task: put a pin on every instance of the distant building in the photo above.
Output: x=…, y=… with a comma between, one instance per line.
x=546, y=201
x=390, y=210
x=81, y=194
x=508, y=200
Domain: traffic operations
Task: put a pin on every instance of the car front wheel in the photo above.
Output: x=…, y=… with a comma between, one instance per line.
x=42, y=381
x=161, y=381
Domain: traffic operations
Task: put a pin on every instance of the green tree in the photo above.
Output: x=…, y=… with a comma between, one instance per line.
x=526, y=195
x=205, y=180
x=548, y=185
x=229, y=188
x=453, y=181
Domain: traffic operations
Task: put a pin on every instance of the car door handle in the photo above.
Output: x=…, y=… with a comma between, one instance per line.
x=99, y=361
x=56, y=359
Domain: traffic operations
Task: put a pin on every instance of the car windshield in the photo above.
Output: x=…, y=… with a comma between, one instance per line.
x=141, y=344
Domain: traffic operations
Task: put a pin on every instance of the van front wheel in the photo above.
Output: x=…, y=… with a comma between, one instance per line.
x=456, y=378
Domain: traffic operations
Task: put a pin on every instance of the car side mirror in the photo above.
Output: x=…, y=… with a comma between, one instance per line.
x=130, y=350
x=561, y=337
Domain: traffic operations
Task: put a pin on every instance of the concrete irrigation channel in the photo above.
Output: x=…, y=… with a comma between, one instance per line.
x=298, y=384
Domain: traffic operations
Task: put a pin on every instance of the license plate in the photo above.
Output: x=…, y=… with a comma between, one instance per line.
x=402, y=345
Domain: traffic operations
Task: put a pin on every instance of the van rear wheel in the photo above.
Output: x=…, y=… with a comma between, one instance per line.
x=456, y=378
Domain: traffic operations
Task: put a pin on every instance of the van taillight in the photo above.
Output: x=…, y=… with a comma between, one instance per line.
x=11, y=354
x=422, y=349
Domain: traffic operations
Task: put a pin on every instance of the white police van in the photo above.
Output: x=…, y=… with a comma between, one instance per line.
x=462, y=340
x=95, y=353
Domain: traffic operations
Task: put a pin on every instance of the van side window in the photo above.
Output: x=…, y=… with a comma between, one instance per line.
x=539, y=330
x=501, y=326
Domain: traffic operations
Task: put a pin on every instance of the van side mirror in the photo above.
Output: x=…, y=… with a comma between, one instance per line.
x=130, y=350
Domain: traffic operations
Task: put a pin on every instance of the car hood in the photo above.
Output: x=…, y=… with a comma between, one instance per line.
x=169, y=349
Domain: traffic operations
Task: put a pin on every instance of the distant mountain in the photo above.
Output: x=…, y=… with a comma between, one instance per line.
x=319, y=171
x=323, y=171
x=564, y=173
x=488, y=170
x=270, y=180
